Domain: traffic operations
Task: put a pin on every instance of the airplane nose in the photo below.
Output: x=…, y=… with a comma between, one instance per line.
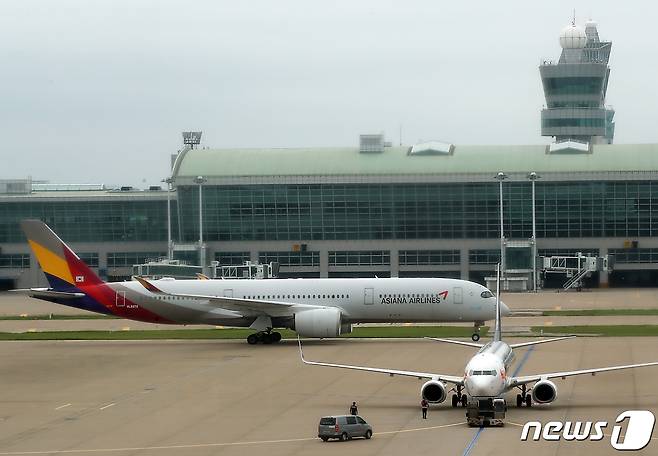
x=479, y=387
x=504, y=310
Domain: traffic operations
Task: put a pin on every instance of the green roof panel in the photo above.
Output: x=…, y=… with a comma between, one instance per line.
x=394, y=160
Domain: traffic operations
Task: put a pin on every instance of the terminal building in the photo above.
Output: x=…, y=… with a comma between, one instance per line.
x=424, y=210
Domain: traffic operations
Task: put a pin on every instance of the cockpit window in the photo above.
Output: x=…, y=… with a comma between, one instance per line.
x=487, y=294
x=483, y=372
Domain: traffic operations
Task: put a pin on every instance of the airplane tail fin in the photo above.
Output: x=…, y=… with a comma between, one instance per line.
x=64, y=270
x=498, y=328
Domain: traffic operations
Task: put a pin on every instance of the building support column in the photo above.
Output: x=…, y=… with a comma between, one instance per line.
x=603, y=275
x=463, y=264
x=324, y=263
x=102, y=264
x=395, y=262
x=35, y=278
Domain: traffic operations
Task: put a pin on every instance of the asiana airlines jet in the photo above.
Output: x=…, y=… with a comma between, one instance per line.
x=312, y=307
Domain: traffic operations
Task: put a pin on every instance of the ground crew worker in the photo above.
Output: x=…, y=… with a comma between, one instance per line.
x=353, y=409
x=423, y=406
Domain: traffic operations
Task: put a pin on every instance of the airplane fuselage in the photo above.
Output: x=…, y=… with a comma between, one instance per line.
x=360, y=300
x=486, y=372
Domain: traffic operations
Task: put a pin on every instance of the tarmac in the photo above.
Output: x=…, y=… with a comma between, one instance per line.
x=516, y=325
x=226, y=397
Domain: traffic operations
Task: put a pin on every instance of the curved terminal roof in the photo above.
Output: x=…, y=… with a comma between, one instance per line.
x=465, y=160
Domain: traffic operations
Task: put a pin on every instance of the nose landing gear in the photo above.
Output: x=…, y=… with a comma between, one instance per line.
x=476, y=331
x=265, y=337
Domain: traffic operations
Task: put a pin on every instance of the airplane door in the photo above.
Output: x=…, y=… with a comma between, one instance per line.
x=458, y=298
x=368, y=296
x=120, y=299
x=228, y=293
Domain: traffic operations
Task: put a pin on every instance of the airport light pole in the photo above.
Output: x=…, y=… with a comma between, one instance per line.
x=501, y=176
x=533, y=176
x=170, y=243
x=200, y=180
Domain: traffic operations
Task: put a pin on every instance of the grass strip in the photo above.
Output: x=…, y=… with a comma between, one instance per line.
x=365, y=332
x=415, y=331
x=237, y=333
x=598, y=312
x=603, y=330
x=57, y=317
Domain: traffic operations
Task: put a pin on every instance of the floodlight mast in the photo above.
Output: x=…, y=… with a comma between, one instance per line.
x=200, y=180
x=533, y=176
x=501, y=176
x=192, y=138
x=170, y=244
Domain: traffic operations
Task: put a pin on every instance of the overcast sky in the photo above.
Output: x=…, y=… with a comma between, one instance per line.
x=99, y=91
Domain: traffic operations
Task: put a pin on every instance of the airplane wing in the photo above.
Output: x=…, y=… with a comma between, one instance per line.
x=535, y=378
x=252, y=306
x=537, y=342
x=458, y=342
x=392, y=372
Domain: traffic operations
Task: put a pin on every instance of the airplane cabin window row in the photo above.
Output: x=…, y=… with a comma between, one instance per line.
x=318, y=296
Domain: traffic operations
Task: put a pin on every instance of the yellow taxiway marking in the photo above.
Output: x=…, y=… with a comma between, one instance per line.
x=209, y=445
x=62, y=406
x=108, y=406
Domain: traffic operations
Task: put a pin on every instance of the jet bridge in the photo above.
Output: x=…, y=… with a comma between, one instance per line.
x=575, y=268
x=248, y=270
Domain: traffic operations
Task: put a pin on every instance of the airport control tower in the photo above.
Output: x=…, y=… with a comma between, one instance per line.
x=575, y=89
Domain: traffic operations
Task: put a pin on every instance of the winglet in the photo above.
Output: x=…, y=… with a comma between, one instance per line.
x=148, y=285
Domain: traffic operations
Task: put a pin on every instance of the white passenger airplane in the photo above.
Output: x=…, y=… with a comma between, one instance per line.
x=312, y=307
x=486, y=378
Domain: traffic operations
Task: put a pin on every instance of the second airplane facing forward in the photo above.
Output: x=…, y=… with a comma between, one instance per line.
x=312, y=307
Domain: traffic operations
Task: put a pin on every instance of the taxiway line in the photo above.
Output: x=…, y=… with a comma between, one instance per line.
x=209, y=445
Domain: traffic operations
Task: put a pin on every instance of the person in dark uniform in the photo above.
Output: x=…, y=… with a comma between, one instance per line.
x=353, y=409
x=424, y=406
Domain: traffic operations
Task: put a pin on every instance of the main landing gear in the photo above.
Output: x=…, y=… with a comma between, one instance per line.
x=265, y=337
x=459, y=398
x=476, y=331
x=523, y=398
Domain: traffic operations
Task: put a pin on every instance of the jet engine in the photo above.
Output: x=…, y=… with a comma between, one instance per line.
x=544, y=392
x=321, y=323
x=434, y=391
